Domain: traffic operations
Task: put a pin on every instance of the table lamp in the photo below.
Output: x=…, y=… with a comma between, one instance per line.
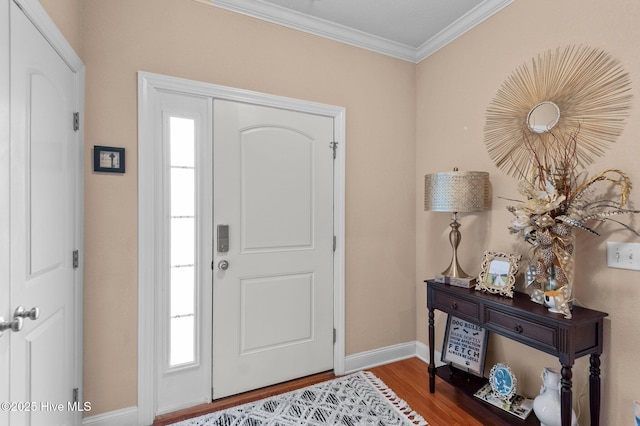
x=456, y=192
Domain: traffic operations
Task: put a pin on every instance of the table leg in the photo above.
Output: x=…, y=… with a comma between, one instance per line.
x=594, y=389
x=566, y=395
x=432, y=357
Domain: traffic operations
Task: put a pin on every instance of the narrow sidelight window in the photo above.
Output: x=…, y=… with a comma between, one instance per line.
x=183, y=229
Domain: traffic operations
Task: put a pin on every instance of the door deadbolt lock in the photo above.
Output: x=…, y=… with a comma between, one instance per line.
x=223, y=265
x=223, y=238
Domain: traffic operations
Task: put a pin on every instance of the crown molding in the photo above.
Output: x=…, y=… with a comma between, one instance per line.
x=472, y=18
x=317, y=26
x=299, y=21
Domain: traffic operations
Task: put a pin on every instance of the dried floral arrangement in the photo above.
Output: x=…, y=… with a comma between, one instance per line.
x=557, y=193
x=559, y=199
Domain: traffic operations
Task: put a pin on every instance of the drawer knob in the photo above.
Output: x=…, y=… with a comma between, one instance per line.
x=454, y=305
x=518, y=328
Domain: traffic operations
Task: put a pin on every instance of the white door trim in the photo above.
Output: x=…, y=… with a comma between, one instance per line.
x=149, y=82
x=36, y=14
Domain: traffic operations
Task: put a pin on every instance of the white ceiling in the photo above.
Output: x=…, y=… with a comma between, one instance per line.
x=405, y=29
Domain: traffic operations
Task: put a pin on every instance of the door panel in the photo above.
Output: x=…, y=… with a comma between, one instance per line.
x=43, y=181
x=43, y=365
x=46, y=203
x=277, y=208
x=273, y=186
x=268, y=320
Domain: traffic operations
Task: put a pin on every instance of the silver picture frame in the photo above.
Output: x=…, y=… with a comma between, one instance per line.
x=503, y=382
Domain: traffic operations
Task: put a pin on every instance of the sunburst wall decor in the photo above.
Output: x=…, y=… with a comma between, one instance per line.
x=560, y=93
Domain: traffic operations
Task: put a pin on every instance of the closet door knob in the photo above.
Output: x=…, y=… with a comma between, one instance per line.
x=14, y=325
x=33, y=313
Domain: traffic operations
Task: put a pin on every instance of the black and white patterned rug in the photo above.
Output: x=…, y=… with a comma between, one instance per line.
x=359, y=399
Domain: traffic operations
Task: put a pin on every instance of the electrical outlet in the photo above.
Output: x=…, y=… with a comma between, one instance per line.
x=623, y=255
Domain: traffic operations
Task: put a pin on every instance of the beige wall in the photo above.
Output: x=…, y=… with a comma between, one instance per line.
x=187, y=39
x=403, y=121
x=455, y=86
x=67, y=15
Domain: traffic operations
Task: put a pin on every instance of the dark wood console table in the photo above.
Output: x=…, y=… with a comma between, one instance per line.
x=531, y=324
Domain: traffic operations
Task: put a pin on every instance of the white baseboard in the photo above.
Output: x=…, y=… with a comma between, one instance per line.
x=372, y=358
x=123, y=417
x=388, y=354
x=355, y=362
x=422, y=352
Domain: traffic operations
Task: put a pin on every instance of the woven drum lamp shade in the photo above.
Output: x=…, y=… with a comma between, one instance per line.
x=457, y=192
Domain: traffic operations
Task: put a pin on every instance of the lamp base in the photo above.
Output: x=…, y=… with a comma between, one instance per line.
x=454, y=270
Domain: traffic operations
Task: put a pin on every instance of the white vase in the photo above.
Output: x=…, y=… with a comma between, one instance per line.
x=546, y=406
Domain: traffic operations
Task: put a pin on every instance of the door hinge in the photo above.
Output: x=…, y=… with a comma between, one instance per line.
x=335, y=243
x=76, y=259
x=335, y=338
x=76, y=121
x=75, y=395
x=334, y=146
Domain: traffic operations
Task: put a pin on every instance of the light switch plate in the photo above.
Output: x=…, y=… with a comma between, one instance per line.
x=623, y=255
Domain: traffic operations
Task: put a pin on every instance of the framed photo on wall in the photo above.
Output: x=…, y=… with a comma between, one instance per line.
x=108, y=159
x=465, y=345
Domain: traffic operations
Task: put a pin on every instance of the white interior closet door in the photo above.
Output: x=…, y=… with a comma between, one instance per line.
x=44, y=171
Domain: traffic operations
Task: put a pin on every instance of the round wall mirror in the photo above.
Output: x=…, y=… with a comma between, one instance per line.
x=547, y=101
x=543, y=117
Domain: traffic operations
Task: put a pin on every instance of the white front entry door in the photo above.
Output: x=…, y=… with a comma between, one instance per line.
x=273, y=282
x=44, y=153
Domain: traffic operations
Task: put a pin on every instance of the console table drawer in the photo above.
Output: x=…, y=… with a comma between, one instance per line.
x=540, y=335
x=451, y=304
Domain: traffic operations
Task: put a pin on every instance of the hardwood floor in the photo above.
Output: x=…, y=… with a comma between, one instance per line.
x=409, y=380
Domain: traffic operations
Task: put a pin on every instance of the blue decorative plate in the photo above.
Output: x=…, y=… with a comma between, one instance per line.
x=502, y=381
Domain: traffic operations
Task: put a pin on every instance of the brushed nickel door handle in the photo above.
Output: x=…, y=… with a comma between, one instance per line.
x=14, y=325
x=33, y=313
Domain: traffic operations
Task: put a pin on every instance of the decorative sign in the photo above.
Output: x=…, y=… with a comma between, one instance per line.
x=465, y=345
